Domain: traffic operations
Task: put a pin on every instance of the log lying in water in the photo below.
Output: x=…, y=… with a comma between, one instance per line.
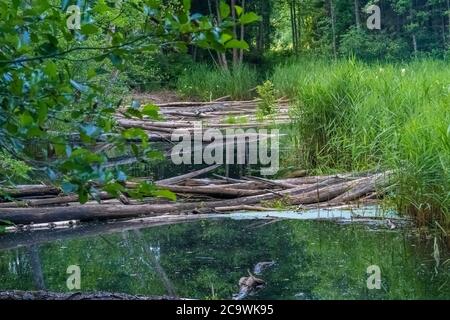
x=46, y=295
x=205, y=196
x=187, y=176
x=331, y=189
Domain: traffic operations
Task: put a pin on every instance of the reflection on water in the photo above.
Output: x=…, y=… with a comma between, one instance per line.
x=206, y=259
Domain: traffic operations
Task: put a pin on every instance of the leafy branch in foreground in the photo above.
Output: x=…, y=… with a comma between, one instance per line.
x=45, y=105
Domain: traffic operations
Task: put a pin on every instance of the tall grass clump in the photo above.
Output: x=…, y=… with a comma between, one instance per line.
x=206, y=83
x=353, y=116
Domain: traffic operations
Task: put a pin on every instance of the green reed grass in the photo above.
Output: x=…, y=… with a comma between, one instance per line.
x=354, y=116
x=206, y=83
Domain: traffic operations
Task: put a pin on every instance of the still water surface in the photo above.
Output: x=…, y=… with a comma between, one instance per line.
x=206, y=259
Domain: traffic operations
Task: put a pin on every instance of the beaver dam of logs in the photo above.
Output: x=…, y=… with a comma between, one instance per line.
x=225, y=237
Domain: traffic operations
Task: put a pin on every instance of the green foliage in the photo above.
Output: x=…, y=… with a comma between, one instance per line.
x=372, y=46
x=55, y=82
x=236, y=120
x=13, y=170
x=267, y=105
x=353, y=116
x=151, y=71
x=206, y=83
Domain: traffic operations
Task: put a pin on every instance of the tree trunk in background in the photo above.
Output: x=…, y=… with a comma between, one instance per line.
x=221, y=56
x=294, y=25
x=357, y=17
x=291, y=11
x=235, y=50
x=260, y=45
x=241, y=52
x=299, y=25
x=414, y=40
x=333, y=28
x=448, y=11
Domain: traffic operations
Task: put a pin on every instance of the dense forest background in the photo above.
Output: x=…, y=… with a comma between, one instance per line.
x=326, y=28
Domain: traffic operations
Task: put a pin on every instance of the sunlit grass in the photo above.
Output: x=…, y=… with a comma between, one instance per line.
x=207, y=83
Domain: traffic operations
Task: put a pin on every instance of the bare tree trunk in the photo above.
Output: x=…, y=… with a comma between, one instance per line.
x=221, y=56
x=448, y=11
x=299, y=25
x=235, y=50
x=357, y=17
x=241, y=53
x=293, y=25
x=333, y=28
x=414, y=40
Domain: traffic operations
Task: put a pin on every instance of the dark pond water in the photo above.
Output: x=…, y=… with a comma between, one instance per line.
x=206, y=259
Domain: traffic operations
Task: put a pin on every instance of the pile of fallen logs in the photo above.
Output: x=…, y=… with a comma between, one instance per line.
x=216, y=194
x=215, y=114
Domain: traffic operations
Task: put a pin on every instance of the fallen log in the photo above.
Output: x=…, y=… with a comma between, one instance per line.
x=326, y=190
x=218, y=192
x=243, y=208
x=187, y=176
x=364, y=187
x=47, y=295
x=30, y=190
x=49, y=201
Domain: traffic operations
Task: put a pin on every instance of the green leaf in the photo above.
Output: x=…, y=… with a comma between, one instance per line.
x=101, y=7
x=224, y=10
x=249, y=17
x=187, y=5
x=88, y=29
x=152, y=111
x=239, y=10
x=114, y=189
x=50, y=69
x=238, y=44
x=83, y=196
x=26, y=119
x=225, y=37
x=165, y=194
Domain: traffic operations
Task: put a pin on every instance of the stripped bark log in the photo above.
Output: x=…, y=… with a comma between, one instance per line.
x=61, y=200
x=333, y=188
x=30, y=190
x=187, y=176
x=243, y=208
x=364, y=187
x=218, y=192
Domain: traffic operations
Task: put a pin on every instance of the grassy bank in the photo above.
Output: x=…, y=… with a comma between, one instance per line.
x=206, y=83
x=353, y=116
